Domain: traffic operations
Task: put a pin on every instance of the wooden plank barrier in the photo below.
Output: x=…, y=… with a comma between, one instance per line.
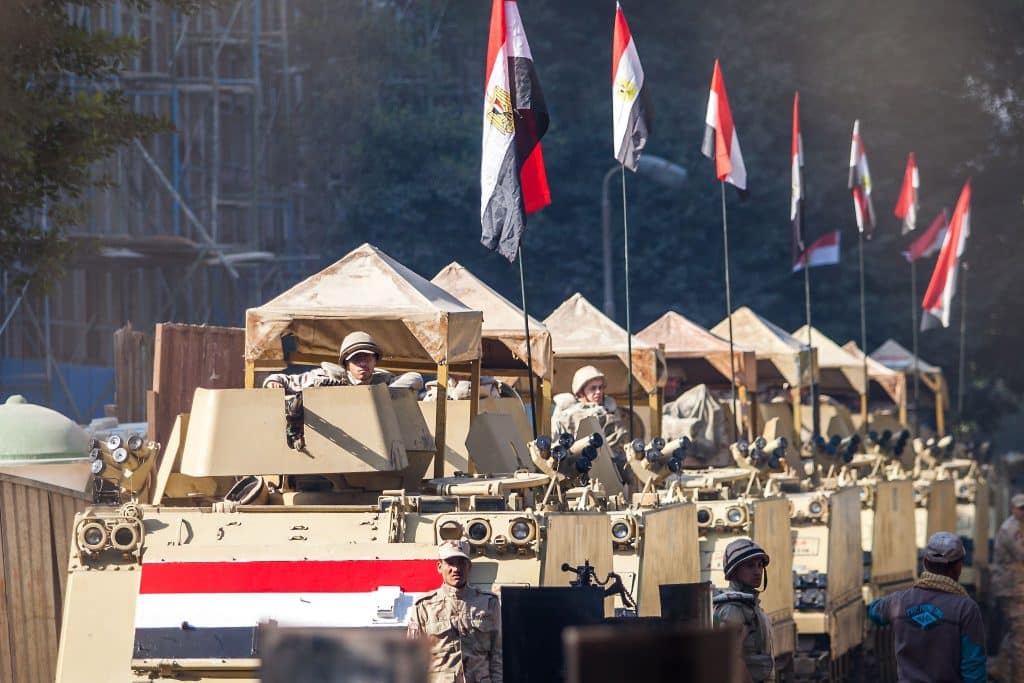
x=36, y=522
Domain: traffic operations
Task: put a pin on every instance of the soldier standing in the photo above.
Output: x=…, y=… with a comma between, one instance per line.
x=744, y=564
x=588, y=387
x=461, y=624
x=1008, y=586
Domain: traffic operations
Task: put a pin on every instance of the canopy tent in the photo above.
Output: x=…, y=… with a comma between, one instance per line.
x=416, y=321
x=780, y=356
x=698, y=356
x=502, y=333
x=838, y=372
x=893, y=383
x=418, y=325
x=583, y=335
x=895, y=356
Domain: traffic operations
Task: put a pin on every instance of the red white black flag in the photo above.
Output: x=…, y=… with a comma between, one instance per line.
x=631, y=110
x=860, y=184
x=930, y=240
x=938, y=300
x=906, y=207
x=823, y=252
x=720, y=140
x=796, y=205
x=513, y=182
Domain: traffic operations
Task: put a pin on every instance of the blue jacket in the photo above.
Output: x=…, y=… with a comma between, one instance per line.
x=940, y=636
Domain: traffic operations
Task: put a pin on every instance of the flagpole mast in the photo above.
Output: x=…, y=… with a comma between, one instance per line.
x=963, y=348
x=728, y=313
x=810, y=346
x=629, y=322
x=913, y=319
x=529, y=346
x=863, y=331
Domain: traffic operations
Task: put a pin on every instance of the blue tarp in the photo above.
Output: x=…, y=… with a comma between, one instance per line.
x=89, y=386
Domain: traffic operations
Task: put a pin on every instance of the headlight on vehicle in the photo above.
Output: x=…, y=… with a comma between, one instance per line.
x=735, y=515
x=623, y=530
x=704, y=517
x=479, y=531
x=92, y=536
x=450, y=530
x=815, y=508
x=522, y=531
x=125, y=537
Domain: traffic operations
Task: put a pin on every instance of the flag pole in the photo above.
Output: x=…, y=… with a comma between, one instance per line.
x=529, y=346
x=629, y=322
x=913, y=322
x=807, y=305
x=963, y=347
x=863, y=331
x=728, y=312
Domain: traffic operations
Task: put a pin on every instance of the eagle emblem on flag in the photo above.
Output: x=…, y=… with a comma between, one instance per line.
x=500, y=112
x=626, y=89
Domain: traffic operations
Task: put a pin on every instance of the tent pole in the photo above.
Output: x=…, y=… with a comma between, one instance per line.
x=440, y=419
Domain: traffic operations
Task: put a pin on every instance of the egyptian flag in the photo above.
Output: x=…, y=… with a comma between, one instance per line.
x=631, y=110
x=513, y=182
x=938, y=300
x=930, y=241
x=906, y=207
x=720, y=140
x=860, y=184
x=824, y=252
x=796, y=206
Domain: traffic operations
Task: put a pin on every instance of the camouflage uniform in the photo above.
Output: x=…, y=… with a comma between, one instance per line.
x=1008, y=586
x=568, y=418
x=741, y=606
x=463, y=627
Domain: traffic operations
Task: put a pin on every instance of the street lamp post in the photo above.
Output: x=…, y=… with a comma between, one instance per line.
x=661, y=171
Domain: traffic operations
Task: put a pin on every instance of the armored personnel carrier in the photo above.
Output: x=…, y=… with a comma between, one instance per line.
x=227, y=527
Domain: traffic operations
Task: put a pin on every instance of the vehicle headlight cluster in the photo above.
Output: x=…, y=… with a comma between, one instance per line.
x=519, y=531
x=121, y=531
x=810, y=590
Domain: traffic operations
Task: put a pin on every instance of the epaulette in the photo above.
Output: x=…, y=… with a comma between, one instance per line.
x=425, y=597
x=734, y=596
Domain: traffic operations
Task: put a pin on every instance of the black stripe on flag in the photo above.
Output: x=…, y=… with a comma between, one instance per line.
x=530, y=109
x=195, y=643
x=637, y=131
x=505, y=217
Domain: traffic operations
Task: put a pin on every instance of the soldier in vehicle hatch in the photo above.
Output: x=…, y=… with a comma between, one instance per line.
x=357, y=365
x=744, y=564
x=461, y=624
x=589, y=400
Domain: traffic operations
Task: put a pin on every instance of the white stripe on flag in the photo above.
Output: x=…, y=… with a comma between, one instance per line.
x=495, y=142
x=515, y=34
x=738, y=177
x=223, y=610
x=628, y=75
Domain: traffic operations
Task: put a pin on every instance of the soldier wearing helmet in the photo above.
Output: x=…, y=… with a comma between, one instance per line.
x=589, y=400
x=744, y=563
x=1008, y=587
x=356, y=366
x=461, y=624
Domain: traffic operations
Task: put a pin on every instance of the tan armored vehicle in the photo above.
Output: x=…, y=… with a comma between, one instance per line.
x=225, y=528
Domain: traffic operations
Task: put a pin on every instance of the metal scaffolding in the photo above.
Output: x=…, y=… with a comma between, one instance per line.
x=199, y=223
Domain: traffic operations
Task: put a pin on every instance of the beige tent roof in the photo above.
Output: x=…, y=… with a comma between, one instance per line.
x=838, y=371
x=894, y=356
x=411, y=318
x=582, y=335
x=778, y=352
x=685, y=340
x=502, y=330
x=894, y=383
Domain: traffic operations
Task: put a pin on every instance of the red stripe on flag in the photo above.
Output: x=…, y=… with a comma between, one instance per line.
x=723, y=126
x=620, y=39
x=343, y=576
x=496, y=36
x=533, y=178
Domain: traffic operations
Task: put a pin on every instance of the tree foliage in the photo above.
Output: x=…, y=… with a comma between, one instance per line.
x=391, y=126
x=61, y=113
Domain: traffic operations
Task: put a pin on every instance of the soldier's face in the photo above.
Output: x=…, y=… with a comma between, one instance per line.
x=1019, y=514
x=593, y=391
x=454, y=571
x=750, y=572
x=361, y=366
